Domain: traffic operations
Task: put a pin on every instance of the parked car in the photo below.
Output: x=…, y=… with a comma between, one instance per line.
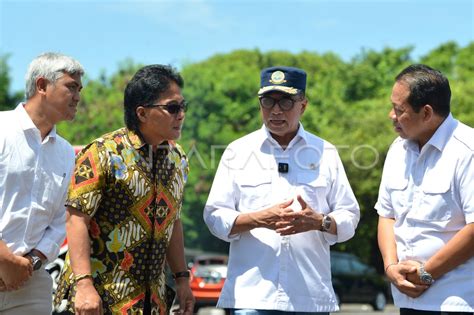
x=208, y=274
x=196, y=259
x=355, y=282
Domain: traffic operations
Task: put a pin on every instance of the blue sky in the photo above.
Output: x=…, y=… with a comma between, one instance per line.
x=101, y=34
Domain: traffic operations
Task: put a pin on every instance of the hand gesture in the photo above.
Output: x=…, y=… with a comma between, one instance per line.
x=413, y=277
x=268, y=218
x=402, y=275
x=301, y=221
x=14, y=272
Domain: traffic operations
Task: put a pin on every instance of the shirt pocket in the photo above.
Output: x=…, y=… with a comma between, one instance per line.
x=255, y=191
x=397, y=188
x=313, y=189
x=436, y=203
x=53, y=191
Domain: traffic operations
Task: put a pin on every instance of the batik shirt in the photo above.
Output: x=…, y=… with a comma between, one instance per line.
x=133, y=196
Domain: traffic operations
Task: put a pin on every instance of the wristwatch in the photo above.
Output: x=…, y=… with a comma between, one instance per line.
x=425, y=276
x=326, y=223
x=182, y=274
x=35, y=261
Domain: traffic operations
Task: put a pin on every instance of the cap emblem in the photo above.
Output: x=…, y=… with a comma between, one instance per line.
x=278, y=77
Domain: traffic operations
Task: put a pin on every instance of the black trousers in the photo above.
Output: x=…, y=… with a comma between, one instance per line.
x=409, y=311
x=147, y=307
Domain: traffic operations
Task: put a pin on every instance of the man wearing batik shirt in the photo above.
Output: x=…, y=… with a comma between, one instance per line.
x=124, y=206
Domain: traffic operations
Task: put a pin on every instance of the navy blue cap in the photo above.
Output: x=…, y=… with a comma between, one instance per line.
x=288, y=80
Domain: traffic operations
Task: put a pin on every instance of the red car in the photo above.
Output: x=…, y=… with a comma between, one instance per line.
x=208, y=273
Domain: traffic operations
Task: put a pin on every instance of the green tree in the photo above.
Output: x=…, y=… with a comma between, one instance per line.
x=443, y=58
x=348, y=106
x=462, y=87
x=7, y=100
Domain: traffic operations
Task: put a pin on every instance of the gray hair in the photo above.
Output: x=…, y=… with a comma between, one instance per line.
x=52, y=67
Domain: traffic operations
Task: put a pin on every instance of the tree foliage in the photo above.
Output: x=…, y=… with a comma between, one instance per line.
x=348, y=106
x=7, y=100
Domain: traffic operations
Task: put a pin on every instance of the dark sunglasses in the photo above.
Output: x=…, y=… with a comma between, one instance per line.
x=172, y=108
x=285, y=103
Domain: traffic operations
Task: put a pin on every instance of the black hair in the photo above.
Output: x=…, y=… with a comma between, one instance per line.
x=427, y=86
x=145, y=87
x=301, y=94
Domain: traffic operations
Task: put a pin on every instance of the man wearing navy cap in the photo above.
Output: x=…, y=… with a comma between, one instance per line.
x=281, y=198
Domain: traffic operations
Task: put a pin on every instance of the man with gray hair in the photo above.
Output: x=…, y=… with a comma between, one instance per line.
x=35, y=167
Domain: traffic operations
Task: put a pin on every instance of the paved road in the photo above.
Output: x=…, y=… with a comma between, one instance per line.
x=366, y=309
x=346, y=309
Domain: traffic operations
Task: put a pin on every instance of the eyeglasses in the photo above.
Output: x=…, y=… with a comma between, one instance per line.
x=285, y=103
x=172, y=108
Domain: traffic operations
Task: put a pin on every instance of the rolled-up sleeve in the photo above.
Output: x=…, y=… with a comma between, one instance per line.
x=220, y=211
x=345, y=209
x=55, y=233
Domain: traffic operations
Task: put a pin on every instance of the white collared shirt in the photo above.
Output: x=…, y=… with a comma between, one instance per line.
x=430, y=193
x=34, y=176
x=266, y=270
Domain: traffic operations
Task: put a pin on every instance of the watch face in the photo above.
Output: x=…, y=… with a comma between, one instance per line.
x=36, y=262
x=426, y=278
x=327, y=223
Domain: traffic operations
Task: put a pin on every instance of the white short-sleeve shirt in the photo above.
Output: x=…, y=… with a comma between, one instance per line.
x=430, y=194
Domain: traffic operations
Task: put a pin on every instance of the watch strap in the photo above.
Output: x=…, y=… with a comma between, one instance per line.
x=36, y=261
x=425, y=276
x=326, y=223
x=181, y=274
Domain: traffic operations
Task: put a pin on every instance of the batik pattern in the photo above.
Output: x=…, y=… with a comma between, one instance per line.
x=133, y=196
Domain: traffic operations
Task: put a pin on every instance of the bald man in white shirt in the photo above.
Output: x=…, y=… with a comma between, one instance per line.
x=426, y=199
x=35, y=167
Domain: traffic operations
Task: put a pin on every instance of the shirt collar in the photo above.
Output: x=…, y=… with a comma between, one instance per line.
x=27, y=124
x=302, y=134
x=443, y=133
x=52, y=134
x=138, y=143
x=135, y=139
x=23, y=118
x=265, y=135
x=441, y=136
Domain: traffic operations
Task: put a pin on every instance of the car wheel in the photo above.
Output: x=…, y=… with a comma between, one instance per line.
x=379, y=302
